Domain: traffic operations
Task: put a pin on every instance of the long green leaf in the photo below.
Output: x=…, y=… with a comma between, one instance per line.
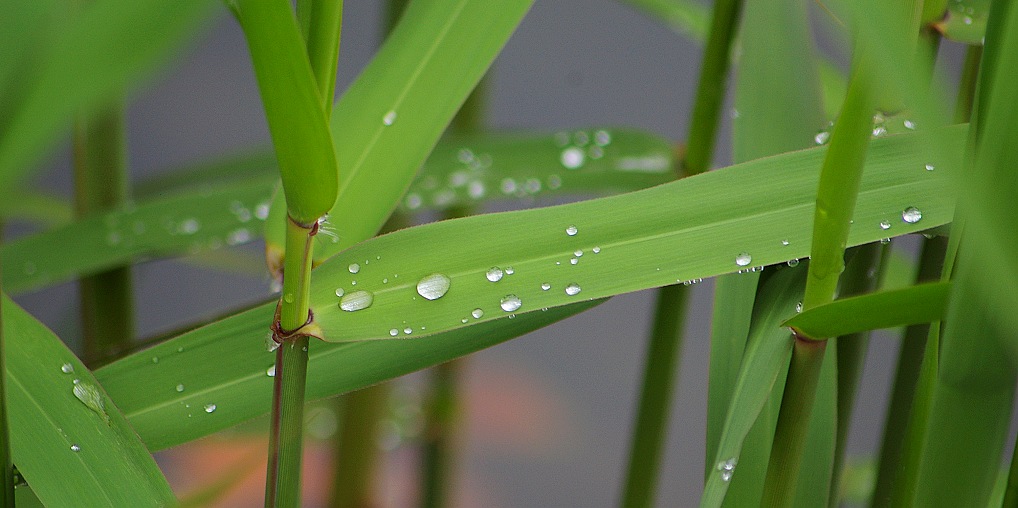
x=922, y=303
x=766, y=358
x=389, y=120
x=102, y=51
x=183, y=389
x=711, y=224
x=202, y=219
x=683, y=16
x=68, y=438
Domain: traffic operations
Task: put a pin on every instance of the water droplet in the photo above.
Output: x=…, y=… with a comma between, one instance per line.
x=408, y=330
x=545, y=286
x=389, y=118
x=793, y=262
x=911, y=215
x=554, y=182
x=798, y=307
x=262, y=211
x=930, y=167
x=602, y=138
x=67, y=368
x=578, y=253
x=209, y=408
x=885, y=241
x=909, y=124
x=784, y=242
x=155, y=359
x=288, y=298
x=494, y=274
x=509, y=270
x=596, y=250
x=879, y=131
x=581, y=138
x=433, y=286
x=90, y=396
x=354, y=268
x=477, y=313
x=508, y=186
x=510, y=303
x=340, y=291
x=822, y=137
x=270, y=343
x=572, y=157
x=743, y=259
x=238, y=236
x=573, y=289
x=180, y=349
x=532, y=185
x=571, y=230
x=727, y=467
x=414, y=201
x=885, y=225
x=271, y=371
x=357, y=300
x=180, y=388
x=189, y=227
x=573, y=261
x=75, y=448
x=475, y=189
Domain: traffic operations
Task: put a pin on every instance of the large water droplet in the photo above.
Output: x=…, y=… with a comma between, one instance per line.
x=822, y=137
x=727, y=468
x=909, y=124
x=408, y=330
x=433, y=286
x=743, y=259
x=357, y=300
x=510, y=303
x=67, y=368
x=209, y=408
x=571, y=230
x=596, y=250
x=389, y=118
x=477, y=313
x=354, y=268
x=545, y=286
x=180, y=388
x=494, y=274
x=930, y=167
x=573, y=289
x=90, y=396
x=885, y=225
x=911, y=215
x=393, y=332
x=340, y=291
x=578, y=253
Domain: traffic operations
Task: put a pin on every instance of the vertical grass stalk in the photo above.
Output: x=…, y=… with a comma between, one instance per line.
x=660, y=368
x=101, y=184
x=356, y=451
x=6, y=463
x=836, y=198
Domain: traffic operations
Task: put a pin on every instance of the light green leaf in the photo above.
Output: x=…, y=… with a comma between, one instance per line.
x=293, y=108
x=191, y=392
x=688, y=18
x=715, y=223
x=90, y=56
x=389, y=120
x=73, y=451
x=923, y=303
x=767, y=352
x=202, y=219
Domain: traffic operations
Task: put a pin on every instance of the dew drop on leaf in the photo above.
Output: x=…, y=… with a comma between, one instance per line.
x=885, y=225
x=67, y=368
x=389, y=118
x=572, y=158
x=545, y=286
x=434, y=286
x=75, y=448
x=573, y=289
x=180, y=388
x=354, y=268
x=357, y=300
x=911, y=215
x=571, y=230
x=494, y=274
x=510, y=303
x=743, y=259
x=393, y=332
x=209, y=408
x=477, y=313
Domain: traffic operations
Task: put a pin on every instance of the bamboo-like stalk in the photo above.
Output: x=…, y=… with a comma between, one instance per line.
x=440, y=434
x=660, y=367
x=356, y=458
x=101, y=183
x=836, y=197
x=6, y=463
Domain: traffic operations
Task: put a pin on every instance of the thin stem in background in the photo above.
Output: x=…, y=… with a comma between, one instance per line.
x=440, y=434
x=836, y=197
x=660, y=368
x=100, y=184
x=6, y=463
x=356, y=450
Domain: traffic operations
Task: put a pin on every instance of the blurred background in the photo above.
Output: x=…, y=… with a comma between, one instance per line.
x=547, y=416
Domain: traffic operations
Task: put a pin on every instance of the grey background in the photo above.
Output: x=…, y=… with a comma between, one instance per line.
x=572, y=63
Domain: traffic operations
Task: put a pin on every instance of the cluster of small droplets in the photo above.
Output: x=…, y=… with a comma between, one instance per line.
x=727, y=468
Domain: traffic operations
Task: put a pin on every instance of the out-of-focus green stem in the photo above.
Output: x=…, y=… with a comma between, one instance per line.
x=286, y=435
x=860, y=277
x=100, y=184
x=967, y=85
x=356, y=457
x=710, y=90
x=321, y=22
x=836, y=198
x=910, y=359
x=442, y=419
x=6, y=463
x=666, y=337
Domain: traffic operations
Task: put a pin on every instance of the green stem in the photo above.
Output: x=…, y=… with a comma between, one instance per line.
x=6, y=464
x=283, y=485
x=967, y=85
x=669, y=316
x=100, y=184
x=321, y=22
x=439, y=434
x=910, y=359
x=710, y=90
x=356, y=457
x=836, y=198
x=860, y=278
x=655, y=397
